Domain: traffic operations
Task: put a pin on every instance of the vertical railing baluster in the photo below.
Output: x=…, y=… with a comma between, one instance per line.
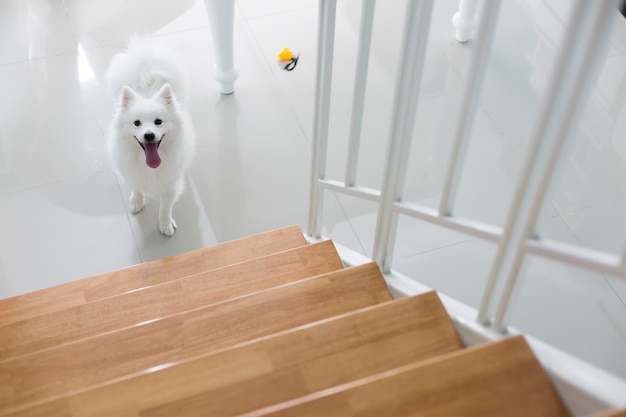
x=566, y=95
x=358, y=98
x=573, y=79
x=529, y=170
x=407, y=89
x=326, y=42
x=467, y=112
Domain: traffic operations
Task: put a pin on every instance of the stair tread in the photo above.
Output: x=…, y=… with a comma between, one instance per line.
x=495, y=379
x=79, y=322
x=149, y=273
x=102, y=358
x=276, y=368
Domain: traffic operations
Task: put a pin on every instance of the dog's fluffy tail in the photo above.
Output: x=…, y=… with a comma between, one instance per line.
x=145, y=67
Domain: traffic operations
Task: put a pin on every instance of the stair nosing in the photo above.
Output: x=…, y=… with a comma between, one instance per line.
x=76, y=292
x=407, y=303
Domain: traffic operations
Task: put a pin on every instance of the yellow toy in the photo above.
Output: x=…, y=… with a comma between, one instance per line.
x=285, y=55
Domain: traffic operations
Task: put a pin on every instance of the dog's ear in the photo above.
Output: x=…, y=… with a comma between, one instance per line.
x=128, y=95
x=165, y=94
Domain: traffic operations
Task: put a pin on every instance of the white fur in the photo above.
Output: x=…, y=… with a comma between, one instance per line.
x=148, y=85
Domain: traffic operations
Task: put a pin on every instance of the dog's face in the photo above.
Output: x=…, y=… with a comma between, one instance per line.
x=148, y=121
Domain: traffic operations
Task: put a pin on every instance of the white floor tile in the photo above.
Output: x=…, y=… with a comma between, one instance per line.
x=555, y=228
x=251, y=9
x=50, y=129
x=338, y=227
x=582, y=308
x=33, y=29
x=619, y=286
x=63, y=231
x=463, y=278
x=253, y=184
x=488, y=177
x=594, y=226
x=97, y=24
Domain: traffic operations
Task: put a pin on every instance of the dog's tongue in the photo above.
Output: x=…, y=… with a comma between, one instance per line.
x=153, y=160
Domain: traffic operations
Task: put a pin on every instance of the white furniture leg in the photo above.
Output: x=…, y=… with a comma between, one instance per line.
x=465, y=20
x=221, y=14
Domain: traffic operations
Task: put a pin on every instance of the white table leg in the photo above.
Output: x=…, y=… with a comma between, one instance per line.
x=221, y=14
x=465, y=20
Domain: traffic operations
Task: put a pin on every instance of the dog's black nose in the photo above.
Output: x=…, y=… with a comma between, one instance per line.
x=148, y=136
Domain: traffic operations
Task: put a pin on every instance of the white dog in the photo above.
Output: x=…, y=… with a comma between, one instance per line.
x=151, y=141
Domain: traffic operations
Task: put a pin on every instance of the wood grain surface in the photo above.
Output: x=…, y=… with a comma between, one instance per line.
x=497, y=379
x=274, y=369
x=79, y=322
x=154, y=272
x=156, y=343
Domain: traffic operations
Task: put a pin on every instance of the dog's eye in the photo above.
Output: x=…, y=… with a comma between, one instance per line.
x=137, y=123
x=158, y=122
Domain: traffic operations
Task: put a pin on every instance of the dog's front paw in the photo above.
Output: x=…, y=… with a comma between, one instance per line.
x=137, y=202
x=168, y=229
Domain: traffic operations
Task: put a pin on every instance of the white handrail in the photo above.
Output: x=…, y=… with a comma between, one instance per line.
x=573, y=77
x=568, y=90
x=471, y=227
x=511, y=241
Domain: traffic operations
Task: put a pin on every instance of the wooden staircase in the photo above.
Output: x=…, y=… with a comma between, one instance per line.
x=265, y=325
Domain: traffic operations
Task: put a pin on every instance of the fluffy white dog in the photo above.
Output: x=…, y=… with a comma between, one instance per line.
x=151, y=141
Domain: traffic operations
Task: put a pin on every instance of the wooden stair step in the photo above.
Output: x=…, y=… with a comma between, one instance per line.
x=150, y=273
x=276, y=368
x=495, y=379
x=79, y=322
x=102, y=358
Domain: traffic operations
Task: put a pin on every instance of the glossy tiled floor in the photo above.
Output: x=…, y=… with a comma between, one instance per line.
x=64, y=213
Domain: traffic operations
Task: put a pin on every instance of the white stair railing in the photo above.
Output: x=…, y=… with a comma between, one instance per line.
x=571, y=81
